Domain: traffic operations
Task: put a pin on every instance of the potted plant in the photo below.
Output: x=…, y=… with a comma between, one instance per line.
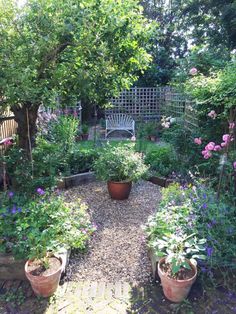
x=85, y=132
x=43, y=226
x=119, y=166
x=177, y=270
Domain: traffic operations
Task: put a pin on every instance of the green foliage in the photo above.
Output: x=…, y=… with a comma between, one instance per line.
x=63, y=132
x=119, y=164
x=182, y=142
x=195, y=209
x=85, y=129
x=44, y=43
x=179, y=248
x=215, y=92
x=32, y=227
x=162, y=160
x=82, y=159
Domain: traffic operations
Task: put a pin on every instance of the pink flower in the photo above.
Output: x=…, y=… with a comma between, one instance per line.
x=226, y=138
x=208, y=155
x=217, y=148
x=210, y=146
x=234, y=165
x=133, y=138
x=204, y=152
x=223, y=144
x=212, y=114
x=231, y=125
x=198, y=140
x=193, y=71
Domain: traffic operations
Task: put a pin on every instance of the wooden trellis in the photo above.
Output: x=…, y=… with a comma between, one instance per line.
x=150, y=103
x=139, y=102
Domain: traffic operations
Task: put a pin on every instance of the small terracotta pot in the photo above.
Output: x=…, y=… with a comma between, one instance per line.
x=153, y=138
x=44, y=286
x=119, y=190
x=176, y=290
x=85, y=137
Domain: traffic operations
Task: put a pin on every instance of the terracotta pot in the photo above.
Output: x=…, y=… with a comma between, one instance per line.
x=152, y=138
x=119, y=190
x=175, y=290
x=85, y=137
x=44, y=286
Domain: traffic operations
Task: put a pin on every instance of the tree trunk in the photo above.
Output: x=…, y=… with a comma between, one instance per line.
x=26, y=116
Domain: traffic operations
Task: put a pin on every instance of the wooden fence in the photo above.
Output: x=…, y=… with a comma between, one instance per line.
x=7, y=125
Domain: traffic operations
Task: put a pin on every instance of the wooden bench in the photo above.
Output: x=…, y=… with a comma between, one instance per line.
x=120, y=122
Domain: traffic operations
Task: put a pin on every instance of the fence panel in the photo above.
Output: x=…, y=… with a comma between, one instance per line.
x=8, y=125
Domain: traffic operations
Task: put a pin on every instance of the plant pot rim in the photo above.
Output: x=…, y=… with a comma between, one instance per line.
x=43, y=276
x=119, y=182
x=176, y=280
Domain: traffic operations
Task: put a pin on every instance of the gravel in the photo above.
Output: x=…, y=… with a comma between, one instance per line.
x=117, y=250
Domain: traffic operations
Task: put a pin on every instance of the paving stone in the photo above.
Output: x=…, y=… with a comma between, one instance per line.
x=118, y=292
x=93, y=289
x=126, y=290
x=101, y=289
x=109, y=290
x=85, y=289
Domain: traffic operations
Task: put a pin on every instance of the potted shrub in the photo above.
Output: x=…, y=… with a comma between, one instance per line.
x=44, y=225
x=177, y=270
x=119, y=166
x=85, y=132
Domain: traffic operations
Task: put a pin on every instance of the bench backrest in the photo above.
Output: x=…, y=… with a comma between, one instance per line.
x=119, y=120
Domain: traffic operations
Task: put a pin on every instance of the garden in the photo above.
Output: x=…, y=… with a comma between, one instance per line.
x=127, y=204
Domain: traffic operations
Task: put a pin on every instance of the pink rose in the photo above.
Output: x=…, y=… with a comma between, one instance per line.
x=212, y=114
x=193, y=71
x=217, y=148
x=223, y=144
x=210, y=146
x=198, y=140
x=204, y=152
x=231, y=125
x=234, y=165
x=207, y=155
x=226, y=138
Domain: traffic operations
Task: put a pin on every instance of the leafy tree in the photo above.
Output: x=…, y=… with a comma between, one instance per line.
x=91, y=48
x=191, y=31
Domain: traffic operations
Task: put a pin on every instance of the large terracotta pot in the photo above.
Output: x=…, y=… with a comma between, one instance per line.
x=119, y=190
x=44, y=286
x=176, y=290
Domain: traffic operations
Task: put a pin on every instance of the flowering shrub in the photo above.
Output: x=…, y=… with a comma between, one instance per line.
x=119, y=164
x=195, y=209
x=31, y=228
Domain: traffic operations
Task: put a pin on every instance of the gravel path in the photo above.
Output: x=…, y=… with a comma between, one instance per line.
x=117, y=251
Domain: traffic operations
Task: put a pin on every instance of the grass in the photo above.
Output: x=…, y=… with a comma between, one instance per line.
x=139, y=145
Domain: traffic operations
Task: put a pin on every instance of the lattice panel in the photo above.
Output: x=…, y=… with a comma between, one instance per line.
x=190, y=117
x=141, y=103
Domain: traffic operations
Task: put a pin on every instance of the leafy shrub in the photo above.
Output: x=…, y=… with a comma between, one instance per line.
x=82, y=159
x=30, y=228
x=43, y=171
x=162, y=160
x=195, y=209
x=63, y=132
x=119, y=164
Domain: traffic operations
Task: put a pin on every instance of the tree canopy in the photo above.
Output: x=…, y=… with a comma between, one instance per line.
x=70, y=48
